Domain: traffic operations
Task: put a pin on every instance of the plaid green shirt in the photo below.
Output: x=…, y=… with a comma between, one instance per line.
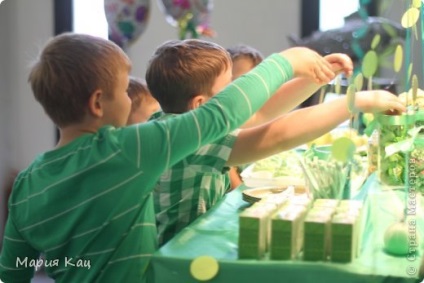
x=192, y=186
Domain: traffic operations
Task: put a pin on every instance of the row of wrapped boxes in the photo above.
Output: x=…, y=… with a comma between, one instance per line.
x=297, y=229
x=255, y=225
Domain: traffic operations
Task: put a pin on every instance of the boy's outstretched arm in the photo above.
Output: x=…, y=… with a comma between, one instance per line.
x=217, y=117
x=303, y=125
x=296, y=91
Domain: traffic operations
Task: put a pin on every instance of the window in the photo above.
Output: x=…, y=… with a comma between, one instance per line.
x=89, y=18
x=330, y=19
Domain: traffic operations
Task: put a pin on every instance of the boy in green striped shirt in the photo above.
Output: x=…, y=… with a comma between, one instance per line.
x=187, y=74
x=87, y=204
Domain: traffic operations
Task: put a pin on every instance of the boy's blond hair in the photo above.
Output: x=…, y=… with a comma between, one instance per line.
x=180, y=70
x=69, y=69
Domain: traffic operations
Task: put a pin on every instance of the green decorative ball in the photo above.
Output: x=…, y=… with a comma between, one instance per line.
x=396, y=239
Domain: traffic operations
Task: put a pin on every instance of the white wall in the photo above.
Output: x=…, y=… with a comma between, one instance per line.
x=4, y=113
x=26, y=25
x=262, y=24
x=24, y=129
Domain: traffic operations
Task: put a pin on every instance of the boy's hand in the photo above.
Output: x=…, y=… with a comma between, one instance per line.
x=308, y=63
x=341, y=63
x=374, y=101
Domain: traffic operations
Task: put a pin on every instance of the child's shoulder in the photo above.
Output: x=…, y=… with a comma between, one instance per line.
x=80, y=145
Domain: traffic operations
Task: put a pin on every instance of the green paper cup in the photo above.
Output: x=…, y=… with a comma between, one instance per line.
x=322, y=152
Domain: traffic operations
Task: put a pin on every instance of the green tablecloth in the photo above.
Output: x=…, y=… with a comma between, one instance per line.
x=216, y=234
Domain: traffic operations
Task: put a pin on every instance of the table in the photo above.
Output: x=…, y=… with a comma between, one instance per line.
x=216, y=234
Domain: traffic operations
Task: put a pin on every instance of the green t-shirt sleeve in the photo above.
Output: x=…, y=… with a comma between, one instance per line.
x=17, y=257
x=157, y=145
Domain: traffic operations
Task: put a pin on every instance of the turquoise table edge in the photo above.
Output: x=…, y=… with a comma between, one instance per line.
x=216, y=234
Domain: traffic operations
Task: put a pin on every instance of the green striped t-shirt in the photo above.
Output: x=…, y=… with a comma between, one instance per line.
x=88, y=206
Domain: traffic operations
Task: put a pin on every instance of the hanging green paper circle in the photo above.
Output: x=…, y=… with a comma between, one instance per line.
x=370, y=64
x=411, y=65
x=375, y=41
x=410, y=17
x=398, y=59
x=414, y=86
x=359, y=82
x=343, y=149
x=416, y=4
x=350, y=95
x=338, y=85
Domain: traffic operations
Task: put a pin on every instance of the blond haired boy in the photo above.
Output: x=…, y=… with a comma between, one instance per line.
x=87, y=203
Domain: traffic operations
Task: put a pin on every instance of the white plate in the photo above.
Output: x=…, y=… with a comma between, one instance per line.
x=264, y=178
x=256, y=194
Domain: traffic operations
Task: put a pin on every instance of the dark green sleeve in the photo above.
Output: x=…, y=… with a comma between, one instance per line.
x=163, y=143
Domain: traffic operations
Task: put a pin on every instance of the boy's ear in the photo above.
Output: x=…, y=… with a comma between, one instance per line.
x=95, y=103
x=196, y=102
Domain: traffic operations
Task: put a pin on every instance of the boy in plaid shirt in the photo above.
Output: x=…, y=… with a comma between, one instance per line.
x=186, y=74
